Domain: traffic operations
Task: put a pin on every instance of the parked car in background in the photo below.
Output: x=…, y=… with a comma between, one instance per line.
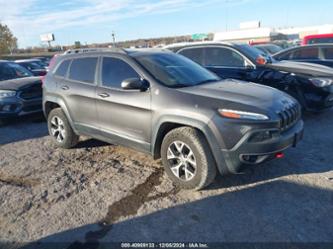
x=268, y=48
x=316, y=53
x=44, y=60
x=20, y=91
x=37, y=67
x=310, y=84
x=318, y=38
x=183, y=113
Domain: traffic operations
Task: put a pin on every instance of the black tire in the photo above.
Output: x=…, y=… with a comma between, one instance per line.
x=205, y=170
x=70, y=139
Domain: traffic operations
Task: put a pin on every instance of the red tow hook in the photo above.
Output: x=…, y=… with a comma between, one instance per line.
x=279, y=155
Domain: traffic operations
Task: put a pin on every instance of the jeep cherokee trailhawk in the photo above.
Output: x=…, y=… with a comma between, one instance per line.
x=162, y=103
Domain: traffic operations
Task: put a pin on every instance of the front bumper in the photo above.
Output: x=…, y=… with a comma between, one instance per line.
x=249, y=152
x=320, y=99
x=234, y=148
x=14, y=107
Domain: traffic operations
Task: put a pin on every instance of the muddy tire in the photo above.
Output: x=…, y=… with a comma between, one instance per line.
x=60, y=130
x=187, y=158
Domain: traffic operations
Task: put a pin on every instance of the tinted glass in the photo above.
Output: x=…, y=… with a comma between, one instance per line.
x=174, y=70
x=284, y=56
x=195, y=54
x=328, y=53
x=306, y=53
x=12, y=71
x=62, y=69
x=321, y=40
x=223, y=57
x=115, y=71
x=83, y=70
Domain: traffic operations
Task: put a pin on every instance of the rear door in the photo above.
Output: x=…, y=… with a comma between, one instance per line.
x=327, y=53
x=79, y=91
x=124, y=116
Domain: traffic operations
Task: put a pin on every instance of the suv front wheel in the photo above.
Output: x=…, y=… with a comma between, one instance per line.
x=60, y=129
x=187, y=158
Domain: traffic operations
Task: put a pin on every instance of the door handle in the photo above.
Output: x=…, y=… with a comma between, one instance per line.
x=104, y=95
x=65, y=88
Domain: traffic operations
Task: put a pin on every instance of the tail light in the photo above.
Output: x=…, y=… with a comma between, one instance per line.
x=42, y=78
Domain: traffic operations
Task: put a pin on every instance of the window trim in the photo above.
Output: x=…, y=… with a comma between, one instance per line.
x=83, y=82
x=131, y=64
x=247, y=60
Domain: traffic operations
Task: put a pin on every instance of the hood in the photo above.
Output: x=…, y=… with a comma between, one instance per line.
x=243, y=94
x=17, y=84
x=302, y=68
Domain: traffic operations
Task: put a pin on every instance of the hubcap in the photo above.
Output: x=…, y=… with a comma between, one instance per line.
x=58, y=129
x=181, y=160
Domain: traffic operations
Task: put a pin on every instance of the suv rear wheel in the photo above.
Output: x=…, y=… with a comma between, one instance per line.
x=60, y=129
x=187, y=158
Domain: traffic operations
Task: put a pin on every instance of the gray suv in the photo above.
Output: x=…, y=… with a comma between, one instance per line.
x=164, y=104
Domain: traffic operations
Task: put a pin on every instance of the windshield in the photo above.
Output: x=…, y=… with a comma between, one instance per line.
x=254, y=53
x=33, y=65
x=273, y=49
x=174, y=70
x=12, y=70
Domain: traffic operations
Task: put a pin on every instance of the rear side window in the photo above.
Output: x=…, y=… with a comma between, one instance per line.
x=195, y=54
x=306, y=53
x=62, y=69
x=223, y=57
x=328, y=53
x=320, y=40
x=115, y=71
x=83, y=69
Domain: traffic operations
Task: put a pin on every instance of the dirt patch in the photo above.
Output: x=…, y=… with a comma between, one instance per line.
x=131, y=203
x=18, y=181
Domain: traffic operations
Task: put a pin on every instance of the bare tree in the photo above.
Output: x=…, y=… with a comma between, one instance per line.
x=8, y=42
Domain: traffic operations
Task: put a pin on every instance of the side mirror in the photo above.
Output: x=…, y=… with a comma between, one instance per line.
x=135, y=84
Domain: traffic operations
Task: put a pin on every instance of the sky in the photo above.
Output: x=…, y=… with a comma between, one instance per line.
x=93, y=21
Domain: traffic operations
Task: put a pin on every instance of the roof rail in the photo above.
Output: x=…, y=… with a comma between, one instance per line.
x=88, y=50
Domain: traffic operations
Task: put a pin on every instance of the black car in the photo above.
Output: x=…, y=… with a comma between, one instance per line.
x=20, y=91
x=269, y=48
x=311, y=84
x=44, y=60
x=317, y=53
x=37, y=67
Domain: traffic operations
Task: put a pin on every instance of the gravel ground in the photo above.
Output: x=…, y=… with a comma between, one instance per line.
x=104, y=193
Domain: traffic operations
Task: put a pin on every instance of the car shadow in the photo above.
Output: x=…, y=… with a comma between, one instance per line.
x=91, y=143
x=273, y=212
x=23, y=128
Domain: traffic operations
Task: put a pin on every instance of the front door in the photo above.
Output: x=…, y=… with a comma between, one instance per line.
x=124, y=115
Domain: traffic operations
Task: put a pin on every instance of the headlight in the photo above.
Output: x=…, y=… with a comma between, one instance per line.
x=7, y=94
x=242, y=115
x=321, y=82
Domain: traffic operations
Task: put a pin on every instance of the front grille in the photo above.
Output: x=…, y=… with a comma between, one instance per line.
x=289, y=116
x=31, y=92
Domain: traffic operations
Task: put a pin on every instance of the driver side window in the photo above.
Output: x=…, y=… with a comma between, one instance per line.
x=115, y=71
x=223, y=57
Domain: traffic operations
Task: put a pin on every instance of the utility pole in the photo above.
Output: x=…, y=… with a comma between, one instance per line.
x=114, y=38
